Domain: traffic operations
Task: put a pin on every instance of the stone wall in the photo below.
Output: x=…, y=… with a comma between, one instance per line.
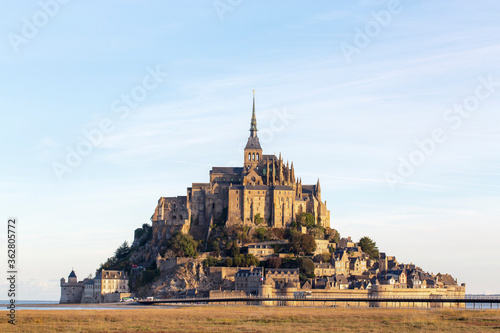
x=218, y=274
x=169, y=264
x=115, y=297
x=71, y=292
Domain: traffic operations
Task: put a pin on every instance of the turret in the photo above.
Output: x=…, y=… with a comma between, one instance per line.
x=280, y=175
x=72, y=277
x=318, y=191
x=267, y=171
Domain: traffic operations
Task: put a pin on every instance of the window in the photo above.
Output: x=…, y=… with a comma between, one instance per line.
x=249, y=157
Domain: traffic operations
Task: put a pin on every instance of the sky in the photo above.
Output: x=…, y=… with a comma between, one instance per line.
x=108, y=105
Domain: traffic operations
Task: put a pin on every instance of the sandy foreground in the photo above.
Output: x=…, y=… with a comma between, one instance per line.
x=136, y=318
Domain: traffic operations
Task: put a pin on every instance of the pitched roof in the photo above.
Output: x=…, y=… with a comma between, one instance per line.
x=340, y=278
x=323, y=265
x=259, y=246
x=447, y=280
x=270, y=157
x=249, y=272
x=72, y=274
x=307, y=188
x=227, y=170
x=283, y=271
x=283, y=188
x=269, y=282
x=253, y=143
x=256, y=187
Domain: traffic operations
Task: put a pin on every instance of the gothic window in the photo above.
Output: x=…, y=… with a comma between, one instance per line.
x=253, y=156
x=257, y=156
x=249, y=156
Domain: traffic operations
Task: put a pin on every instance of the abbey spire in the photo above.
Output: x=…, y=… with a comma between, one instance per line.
x=253, y=151
x=253, y=122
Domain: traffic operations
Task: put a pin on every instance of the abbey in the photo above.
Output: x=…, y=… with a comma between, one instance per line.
x=264, y=191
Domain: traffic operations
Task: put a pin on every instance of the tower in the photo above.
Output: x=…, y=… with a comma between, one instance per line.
x=72, y=277
x=253, y=151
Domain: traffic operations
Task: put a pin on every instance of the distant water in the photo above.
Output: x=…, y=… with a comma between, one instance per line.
x=5, y=302
x=54, y=305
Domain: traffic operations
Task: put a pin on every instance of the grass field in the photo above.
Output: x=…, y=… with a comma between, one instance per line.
x=254, y=319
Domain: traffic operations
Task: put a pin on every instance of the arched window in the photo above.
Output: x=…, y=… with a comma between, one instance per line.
x=257, y=156
x=249, y=156
x=253, y=156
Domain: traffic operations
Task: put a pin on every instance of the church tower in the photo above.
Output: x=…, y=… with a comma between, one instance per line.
x=253, y=151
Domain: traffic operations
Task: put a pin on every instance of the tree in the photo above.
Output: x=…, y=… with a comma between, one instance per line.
x=251, y=260
x=274, y=262
x=369, y=247
x=317, y=231
x=302, y=244
x=295, y=245
x=122, y=251
x=308, y=244
x=234, y=249
x=306, y=267
x=263, y=234
x=332, y=235
x=258, y=219
x=306, y=220
x=229, y=262
x=183, y=245
x=324, y=257
x=238, y=260
x=214, y=248
x=210, y=261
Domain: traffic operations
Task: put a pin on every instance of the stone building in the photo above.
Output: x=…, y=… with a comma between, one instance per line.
x=260, y=251
x=107, y=282
x=265, y=191
x=108, y=286
x=249, y=280
x=71, y=291
x=323, y=269
x=282, y=276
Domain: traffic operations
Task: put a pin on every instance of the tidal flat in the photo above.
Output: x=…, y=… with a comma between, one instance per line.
x=253, y=319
